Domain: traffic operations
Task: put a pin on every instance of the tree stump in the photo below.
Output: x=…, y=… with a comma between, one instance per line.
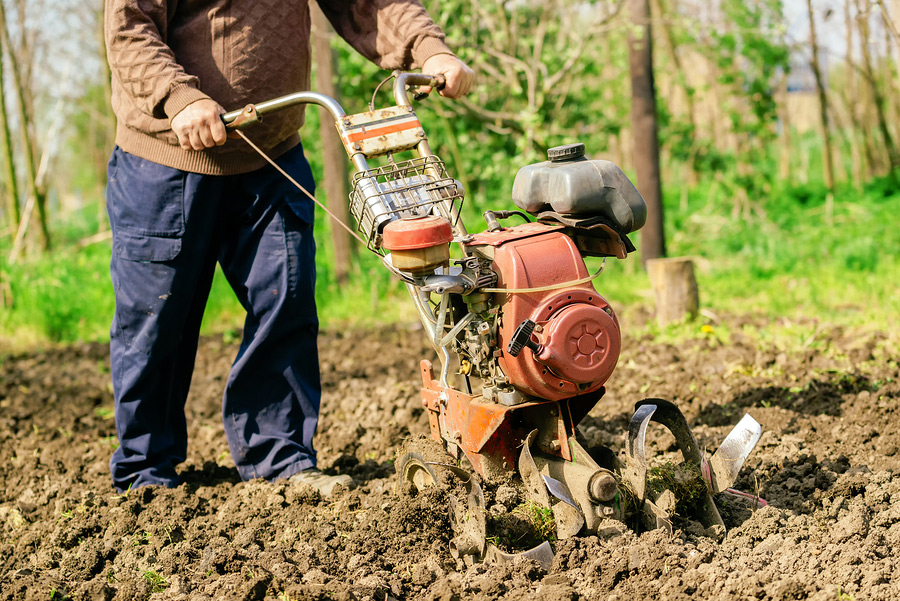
x=674, y=288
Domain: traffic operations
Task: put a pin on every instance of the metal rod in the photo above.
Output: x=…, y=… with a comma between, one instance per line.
x=441, y=322
x=277, y=104
x=448, y=338
x=401, y=80
x=422, y=309
x=401, y=97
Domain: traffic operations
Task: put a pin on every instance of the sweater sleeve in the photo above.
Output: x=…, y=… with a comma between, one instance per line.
x=141, y=62
x=394, y=34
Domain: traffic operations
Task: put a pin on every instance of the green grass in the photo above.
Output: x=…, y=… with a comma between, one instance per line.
x=157, y=583
x=793, y=258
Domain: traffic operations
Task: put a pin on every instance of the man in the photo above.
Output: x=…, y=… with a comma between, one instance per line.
x=180, y=199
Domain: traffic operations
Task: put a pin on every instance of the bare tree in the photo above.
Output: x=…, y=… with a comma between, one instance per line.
x=533, y=55
x=23, y=100
x=823, y=100
x=334, y=157
x=862, y=17
x=14, y=213
x=644, y=128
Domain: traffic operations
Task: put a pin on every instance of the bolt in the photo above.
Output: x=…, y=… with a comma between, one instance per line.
x=420, y=134
x=603, y=487
x=608, y=310
x=608, y=511
x=357, y=146
x=484, y=327
x=554, y=445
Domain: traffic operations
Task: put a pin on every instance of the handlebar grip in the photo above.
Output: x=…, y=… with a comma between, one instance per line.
x=439, y=82
x=249, y=115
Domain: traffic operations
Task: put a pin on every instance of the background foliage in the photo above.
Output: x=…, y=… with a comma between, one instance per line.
x=743, y=181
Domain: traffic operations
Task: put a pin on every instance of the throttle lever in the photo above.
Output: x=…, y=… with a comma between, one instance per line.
x=440, y=82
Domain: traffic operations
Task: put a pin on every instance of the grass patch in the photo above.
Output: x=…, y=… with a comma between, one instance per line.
x=791, y=258
x=157, y=583
x=526, y=526
x=686, y=483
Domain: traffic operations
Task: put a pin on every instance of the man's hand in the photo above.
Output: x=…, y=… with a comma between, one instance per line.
x=198, y=125
x=458, y=75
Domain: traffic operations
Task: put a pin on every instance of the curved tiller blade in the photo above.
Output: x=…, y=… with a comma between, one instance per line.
x=469, y=524
x=669, y=415
x=566, y=513
x=535, y=488
x=635, y=472
x=539, y=488
x=543, y=554
x=727, y=461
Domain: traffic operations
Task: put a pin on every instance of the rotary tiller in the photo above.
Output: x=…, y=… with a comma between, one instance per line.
x=526, y=343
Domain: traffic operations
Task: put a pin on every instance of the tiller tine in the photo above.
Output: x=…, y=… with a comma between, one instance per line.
x=535, y=487
x=566, y=513
x=728, y=459
x=719, y=472
x=540, y=487
x=468, y=519
x=543, y=554
x=469, y=523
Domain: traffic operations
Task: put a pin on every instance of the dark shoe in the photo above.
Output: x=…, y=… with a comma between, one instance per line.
x=321, y=482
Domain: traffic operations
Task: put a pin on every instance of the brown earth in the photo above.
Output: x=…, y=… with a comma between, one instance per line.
x=827, y=464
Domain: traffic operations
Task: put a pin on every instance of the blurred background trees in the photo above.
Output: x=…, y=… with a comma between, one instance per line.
x=761, y=106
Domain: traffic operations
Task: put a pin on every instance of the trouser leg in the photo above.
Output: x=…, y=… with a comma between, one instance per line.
x=271, y=402
x=162, y=266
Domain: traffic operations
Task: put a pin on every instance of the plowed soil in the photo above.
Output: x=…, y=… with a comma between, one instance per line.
x=827, y=464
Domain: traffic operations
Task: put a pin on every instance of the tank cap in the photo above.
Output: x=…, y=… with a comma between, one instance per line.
x=567, y=152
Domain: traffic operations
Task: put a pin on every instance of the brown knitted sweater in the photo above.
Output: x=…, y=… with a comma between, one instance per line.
x=166, y=54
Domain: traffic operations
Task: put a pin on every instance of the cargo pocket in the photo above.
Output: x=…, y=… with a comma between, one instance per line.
x=148, y=249
x=144, y=270
x=145, y=199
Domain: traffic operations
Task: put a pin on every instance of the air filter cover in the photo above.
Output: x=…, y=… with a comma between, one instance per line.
x=413, y=233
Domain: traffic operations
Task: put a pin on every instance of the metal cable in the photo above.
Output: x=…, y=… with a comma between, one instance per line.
x=301, y=188
x=546, y=288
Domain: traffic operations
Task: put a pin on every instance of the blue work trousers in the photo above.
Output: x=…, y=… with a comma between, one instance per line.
x=170, y=227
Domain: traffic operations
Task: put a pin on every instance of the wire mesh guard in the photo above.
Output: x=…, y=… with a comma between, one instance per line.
x=419, y=186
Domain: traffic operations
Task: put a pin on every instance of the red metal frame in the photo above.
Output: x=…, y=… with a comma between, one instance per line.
x=491, y=434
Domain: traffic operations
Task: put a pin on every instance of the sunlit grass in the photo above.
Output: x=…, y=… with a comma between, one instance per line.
x=789, y=260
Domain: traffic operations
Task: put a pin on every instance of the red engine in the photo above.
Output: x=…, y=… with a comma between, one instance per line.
x=572, y=334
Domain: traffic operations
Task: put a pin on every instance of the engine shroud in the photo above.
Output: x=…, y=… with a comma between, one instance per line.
x=577, y=329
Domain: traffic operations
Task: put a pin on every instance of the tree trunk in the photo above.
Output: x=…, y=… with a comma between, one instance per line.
x=333, y=154
x=827, y=154
x=851, y=127
x=890, y=77
x=863, y=19
x=853, y=98
x=25, y=123
x=644, y=128
x=682, y=77
x=784, y=138
x=14, y=213
x=674, y=288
